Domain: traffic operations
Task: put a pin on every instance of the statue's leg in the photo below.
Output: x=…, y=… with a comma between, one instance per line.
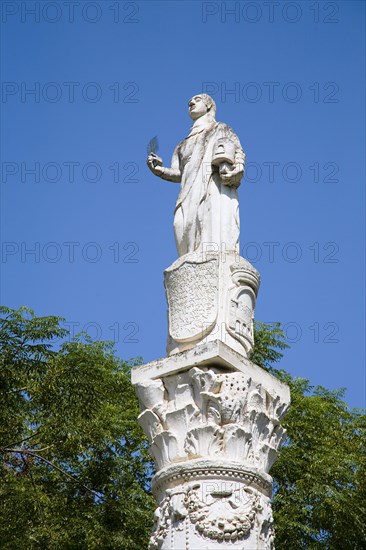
x=211, y=215
x=229, y=210
x=179, y=231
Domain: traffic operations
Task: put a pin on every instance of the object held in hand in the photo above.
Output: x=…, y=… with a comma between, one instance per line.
x=152, y=149
x=223, y=151
x=153, y=146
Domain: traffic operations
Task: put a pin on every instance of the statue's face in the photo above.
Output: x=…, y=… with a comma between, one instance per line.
x=197, y=107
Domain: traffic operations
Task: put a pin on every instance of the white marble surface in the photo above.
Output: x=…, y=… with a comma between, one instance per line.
x=211, y=296
x=213, y=421
x=209, y=165
x=214, y=353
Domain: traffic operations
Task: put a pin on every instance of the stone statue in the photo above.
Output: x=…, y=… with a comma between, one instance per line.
x=212, y=417
x=209, y=164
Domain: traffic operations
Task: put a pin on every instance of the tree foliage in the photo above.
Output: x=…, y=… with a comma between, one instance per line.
x=75, y=471
x=74, y=465
x=320, y=487
x=320, y=476
x=269, y=341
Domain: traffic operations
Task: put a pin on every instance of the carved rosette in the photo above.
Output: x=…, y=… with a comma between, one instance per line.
x=214, y=435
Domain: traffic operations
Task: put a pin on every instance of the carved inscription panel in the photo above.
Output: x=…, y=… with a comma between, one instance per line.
x=192, y=293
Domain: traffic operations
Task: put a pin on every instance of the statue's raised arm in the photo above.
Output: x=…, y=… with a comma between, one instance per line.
x=209, y=164
x=155, y=164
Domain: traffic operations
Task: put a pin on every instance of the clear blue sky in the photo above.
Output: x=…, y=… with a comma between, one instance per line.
x=107, y=77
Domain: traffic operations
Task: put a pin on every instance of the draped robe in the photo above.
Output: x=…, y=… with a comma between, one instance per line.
x=206, y=215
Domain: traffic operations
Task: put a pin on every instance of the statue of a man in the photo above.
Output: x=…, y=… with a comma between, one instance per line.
x=209, y=164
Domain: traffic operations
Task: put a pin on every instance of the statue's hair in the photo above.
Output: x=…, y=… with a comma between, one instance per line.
x=211, y=105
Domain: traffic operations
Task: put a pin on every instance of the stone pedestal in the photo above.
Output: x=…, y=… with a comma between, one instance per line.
x=213, y=421
x=211, y=296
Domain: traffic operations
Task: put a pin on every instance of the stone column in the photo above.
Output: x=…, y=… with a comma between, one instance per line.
x=212, y=417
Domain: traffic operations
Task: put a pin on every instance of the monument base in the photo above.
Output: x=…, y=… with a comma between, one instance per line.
x=213, y=421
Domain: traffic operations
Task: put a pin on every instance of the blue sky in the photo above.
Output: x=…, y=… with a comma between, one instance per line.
x=107, y=77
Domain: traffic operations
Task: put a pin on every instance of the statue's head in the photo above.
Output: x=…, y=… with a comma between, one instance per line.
x=200, y=105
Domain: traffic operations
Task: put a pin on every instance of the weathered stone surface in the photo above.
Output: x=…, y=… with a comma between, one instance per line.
x=214, y=431
x=209, y=165
x=204, y=514
x=209, y=412
x=192, y=290
x=211, y=296
x=214, y=353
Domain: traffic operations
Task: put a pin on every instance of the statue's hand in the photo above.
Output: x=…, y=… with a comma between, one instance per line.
x=155, y=164
x=231, y=176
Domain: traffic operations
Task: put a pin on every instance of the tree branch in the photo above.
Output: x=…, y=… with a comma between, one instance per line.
x=53, y=465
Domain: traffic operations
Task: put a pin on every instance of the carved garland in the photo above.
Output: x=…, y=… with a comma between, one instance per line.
x=207, y=517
